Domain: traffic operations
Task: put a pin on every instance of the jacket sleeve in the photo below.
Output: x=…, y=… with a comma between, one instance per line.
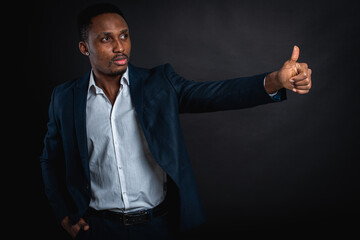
x=52, y=164
x=219, y=95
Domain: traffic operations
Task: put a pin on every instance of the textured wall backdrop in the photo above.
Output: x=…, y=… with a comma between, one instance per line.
x=293, y=165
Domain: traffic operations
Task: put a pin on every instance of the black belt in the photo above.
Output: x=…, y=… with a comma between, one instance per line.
x=132, y=218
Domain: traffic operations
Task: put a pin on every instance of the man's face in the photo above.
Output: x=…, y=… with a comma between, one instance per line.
x=108, y=44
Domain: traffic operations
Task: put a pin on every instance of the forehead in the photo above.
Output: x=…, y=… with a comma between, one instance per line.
x=107, y=22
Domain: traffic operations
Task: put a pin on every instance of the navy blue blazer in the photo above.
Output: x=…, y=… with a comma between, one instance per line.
x=158, y=95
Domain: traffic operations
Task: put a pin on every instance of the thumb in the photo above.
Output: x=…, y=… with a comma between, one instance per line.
x=295, y=54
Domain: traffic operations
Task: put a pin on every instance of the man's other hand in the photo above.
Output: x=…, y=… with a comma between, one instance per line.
x=73, y=230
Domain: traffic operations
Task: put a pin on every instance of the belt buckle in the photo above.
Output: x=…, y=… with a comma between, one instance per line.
x=126, y=220
x=135, y=218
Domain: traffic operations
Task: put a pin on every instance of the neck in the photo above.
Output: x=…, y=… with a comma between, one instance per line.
x=108, y=83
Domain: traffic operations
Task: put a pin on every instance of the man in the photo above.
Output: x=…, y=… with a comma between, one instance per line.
x=114, y=162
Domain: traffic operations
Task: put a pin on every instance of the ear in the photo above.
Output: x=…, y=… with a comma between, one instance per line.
x=83, y=47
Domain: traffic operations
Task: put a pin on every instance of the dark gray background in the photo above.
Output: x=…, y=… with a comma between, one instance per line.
x=290, y=166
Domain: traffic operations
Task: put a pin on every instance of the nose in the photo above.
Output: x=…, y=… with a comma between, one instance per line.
x=118, y=47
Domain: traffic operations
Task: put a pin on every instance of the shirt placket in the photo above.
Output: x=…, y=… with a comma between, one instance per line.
x=117, y=148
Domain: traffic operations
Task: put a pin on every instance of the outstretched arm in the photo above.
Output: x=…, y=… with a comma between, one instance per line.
x=211, y=96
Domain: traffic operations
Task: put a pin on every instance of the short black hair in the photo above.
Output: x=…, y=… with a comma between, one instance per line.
x=85, y=16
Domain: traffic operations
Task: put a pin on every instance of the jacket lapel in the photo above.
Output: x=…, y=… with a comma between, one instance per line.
x=80, y=96
x=136, y=90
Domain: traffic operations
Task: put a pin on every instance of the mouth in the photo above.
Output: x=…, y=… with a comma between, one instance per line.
x=120, y=60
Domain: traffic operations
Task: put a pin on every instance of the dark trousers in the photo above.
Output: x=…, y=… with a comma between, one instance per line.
x=102, y=228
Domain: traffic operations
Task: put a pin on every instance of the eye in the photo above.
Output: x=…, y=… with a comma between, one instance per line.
x=124, y=36
x=106, y=39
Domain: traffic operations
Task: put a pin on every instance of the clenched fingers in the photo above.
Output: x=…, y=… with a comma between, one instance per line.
x=83, y=225
x=301, y=83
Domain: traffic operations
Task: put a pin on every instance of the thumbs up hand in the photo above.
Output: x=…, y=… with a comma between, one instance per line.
x=292, y=75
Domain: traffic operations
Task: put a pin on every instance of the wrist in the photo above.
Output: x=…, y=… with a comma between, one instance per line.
x=272, y=84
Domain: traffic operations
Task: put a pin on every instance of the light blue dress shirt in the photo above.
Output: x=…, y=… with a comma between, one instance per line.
x=124, y=175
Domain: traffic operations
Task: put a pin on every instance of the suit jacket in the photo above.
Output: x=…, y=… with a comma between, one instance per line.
x=158, y=95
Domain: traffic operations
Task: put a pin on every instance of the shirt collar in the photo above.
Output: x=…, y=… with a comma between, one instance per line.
x=92, y=85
